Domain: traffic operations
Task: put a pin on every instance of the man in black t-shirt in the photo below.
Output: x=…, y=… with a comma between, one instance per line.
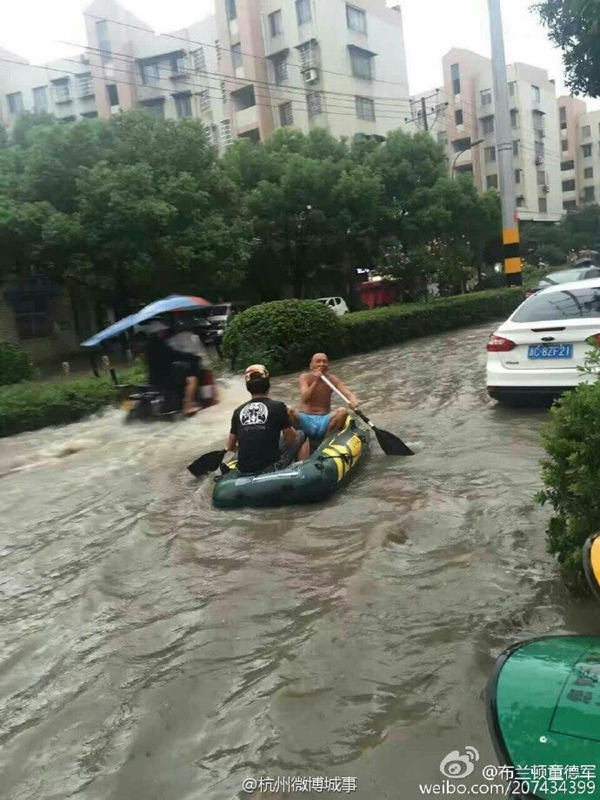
x=256, y=427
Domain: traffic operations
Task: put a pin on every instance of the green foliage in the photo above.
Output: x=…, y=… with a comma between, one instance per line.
x=553, y=243
x=26, y=122
x=370, y=330
x=283, y=335
x=571, y=476
x=15, y=364
x=574, y=27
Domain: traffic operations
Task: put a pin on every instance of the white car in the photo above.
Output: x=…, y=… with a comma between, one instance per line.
x=539, y=347
x=336, y=304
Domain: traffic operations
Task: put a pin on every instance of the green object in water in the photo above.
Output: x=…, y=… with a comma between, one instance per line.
x=544, y=711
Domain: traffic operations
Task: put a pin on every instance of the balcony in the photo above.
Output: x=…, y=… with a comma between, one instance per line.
x=62, y=93
x=247, y=117
x=85, y=87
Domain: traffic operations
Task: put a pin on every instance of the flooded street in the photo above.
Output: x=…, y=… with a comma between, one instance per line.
x=157, y=649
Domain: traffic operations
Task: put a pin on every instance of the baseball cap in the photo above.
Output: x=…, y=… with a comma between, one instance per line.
x=255, y=370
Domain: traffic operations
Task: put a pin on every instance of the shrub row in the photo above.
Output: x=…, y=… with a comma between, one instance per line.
x=284, y=334
x=31, y=405
x=15, y=364
x=571, y=476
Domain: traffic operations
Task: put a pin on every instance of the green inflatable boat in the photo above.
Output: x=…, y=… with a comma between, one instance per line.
x=304, y=482
x=544, y=716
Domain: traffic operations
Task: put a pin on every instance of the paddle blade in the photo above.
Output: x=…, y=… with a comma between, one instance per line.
x=392, y=445
x=209, y=462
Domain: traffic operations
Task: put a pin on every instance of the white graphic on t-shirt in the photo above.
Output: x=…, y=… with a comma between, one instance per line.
x=254, y=414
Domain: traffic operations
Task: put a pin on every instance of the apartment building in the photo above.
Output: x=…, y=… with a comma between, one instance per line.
x=254, y=66
x=468, y=130
x=580, y=153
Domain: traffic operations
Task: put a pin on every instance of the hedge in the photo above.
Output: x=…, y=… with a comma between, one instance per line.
x=571, y=476
x=31, y=405
x=381, y=327
x=15, y=364
x=283, y=335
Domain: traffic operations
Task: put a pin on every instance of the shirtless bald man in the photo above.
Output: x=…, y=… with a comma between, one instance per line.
x=315, y=416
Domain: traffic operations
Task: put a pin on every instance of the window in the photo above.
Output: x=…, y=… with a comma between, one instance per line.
x=461, y=144
x=103, y=40
x=571, y=304
x=513, y=117
x=562, y=115
x=226, y=138
x=113, y=95
x=587, y=150
x=313, y=103
x=155, y=107
x=178, y=65
x=541, y=177
x=89, y=114
x=276, y=23
x=535, y=94
x=40, y=98
x=286, y=115
x=521, y=201
x=356, y=19
x=458, y=116
x=62, y=90
x=308, y=53
x=365, y=108
x=542, y=205
x=588, y=172
x=538, y=123
x=280, y=66
x=150, y=73
x=568, y=186
x=565, y=166
x=85, y=85
x=199, y=60
x=491, y=182
x=236, y=55
x=515, y=148
x=303, y=11
x=564, y=145
x=183, y=105
x=362, y=63
x=589, y=194
x=455, y=77
x=230, y=9
x=15, y=102
x=512, y=85
x=539, y=149
x=204, y=100
x=486, y=97
x=517, y=176
x=31, y=317
x=487, y=125
x=570, y=205
x=586, y=131
x=489, y=154
x=442, y=138
x=70, y=118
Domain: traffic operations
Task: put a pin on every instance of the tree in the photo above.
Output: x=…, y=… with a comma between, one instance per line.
x=574, y=27
x=26, y=122
x=3, y=137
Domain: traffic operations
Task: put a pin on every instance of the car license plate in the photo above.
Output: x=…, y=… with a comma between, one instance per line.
x=550, y=351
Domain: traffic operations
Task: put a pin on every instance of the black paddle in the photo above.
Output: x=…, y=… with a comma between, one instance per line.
x=390, y=444
x=209, y=462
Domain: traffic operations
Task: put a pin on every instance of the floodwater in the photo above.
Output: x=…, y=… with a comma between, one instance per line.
x=154, y=648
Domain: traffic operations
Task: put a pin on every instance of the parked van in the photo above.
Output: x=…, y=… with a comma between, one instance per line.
x=336, y=304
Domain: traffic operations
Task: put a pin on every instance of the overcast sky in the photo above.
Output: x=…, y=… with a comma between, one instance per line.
x=37, y=29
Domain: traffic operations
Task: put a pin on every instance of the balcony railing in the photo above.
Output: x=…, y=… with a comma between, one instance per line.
x=62, y=94
x=85, y=87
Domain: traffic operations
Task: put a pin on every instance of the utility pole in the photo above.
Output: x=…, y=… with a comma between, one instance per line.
x=424, y=109
x=513, y=266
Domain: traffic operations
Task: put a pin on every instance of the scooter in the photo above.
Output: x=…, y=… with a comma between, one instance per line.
x=144, y=403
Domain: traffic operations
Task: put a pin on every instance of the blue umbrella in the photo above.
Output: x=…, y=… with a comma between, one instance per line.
x=174, y=302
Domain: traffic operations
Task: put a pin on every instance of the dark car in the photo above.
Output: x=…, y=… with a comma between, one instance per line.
x=581, y=271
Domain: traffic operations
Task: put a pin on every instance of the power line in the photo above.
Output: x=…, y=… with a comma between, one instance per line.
x=163, y=91
x=228, y=49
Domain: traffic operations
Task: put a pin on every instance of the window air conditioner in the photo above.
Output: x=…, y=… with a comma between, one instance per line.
x=546, y=188
x=311, y=76
x=539, y=160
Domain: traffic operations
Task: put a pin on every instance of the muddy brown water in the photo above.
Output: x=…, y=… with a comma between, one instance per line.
x=154, y=647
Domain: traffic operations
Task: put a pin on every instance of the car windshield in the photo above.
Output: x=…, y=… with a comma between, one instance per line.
x=568, y=304
x=219, y=311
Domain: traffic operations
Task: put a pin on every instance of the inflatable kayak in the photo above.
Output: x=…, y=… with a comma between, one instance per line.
x=304, y=482
x=591, y=563
x=544, y=709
